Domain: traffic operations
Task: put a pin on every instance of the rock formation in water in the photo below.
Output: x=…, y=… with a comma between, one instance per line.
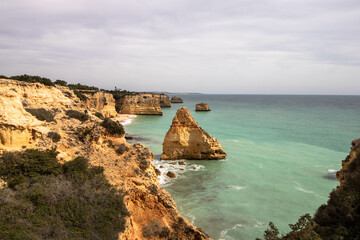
x=140, y=104
x=202, y=107
x=176, y=100
x=101, y=102
x=128, y=167
x=187, y=140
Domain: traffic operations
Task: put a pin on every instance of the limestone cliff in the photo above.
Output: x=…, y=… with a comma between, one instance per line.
x=353, y=154
x=187, y=140
x=176, y=100
x=18, y=128
x=128, y=167
x=140, y=104
x=163, y=99
x=101, y=102
x=202, y=107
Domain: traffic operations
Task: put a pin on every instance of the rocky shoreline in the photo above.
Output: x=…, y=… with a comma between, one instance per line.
x=128, y=167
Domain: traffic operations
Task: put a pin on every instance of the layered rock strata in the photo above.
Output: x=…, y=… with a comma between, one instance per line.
x=140, y=104
x=128, y=167
x=202, y=107
x=176, y=100
x=101, y=102
x=187, y=140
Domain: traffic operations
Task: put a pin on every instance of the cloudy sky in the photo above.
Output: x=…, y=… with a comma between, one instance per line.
x=228, y=46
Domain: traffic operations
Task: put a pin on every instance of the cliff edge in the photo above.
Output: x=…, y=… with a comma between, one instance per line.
x=67, y=130
x=140, y=104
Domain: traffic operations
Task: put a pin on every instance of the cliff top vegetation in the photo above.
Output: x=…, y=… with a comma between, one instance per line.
x=47, y=200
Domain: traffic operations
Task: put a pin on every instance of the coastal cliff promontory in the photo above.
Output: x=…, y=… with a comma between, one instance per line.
x=163, y=99
x=140, y=104
x=187, y=140
x=46, y=117
x=343, y=174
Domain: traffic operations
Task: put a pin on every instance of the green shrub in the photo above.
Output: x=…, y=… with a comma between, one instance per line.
x=41, y=114
x=33, y=79
x=82, y=87
x=3, y=76
x=81, y=96
x=55, y=137
x=16, y=168
x=75, y=201
x=77, y=115
x=84, y=132
x=99, y=115
x=61, y=82
x=113, y=127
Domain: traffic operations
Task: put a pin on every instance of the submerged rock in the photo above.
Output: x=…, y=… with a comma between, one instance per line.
x=202, y=107
x=187, y=140
x=176, y=100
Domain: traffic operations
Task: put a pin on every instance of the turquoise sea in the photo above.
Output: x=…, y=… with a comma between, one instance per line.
x=282, y=155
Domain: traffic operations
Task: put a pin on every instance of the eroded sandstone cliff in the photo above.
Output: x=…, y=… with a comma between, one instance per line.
x=128, y=167
x=101, y=102
x=187, y=140
x=19, y=128
x=163, y=99
x=140, y=104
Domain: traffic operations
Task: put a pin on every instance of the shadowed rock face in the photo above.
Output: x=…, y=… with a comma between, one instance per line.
x=187, y=140
x=164, y=100
x=342, y=175
x=176, y=100
x=202, y=107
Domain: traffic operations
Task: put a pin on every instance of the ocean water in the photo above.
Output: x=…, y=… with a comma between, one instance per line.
x=282, y=155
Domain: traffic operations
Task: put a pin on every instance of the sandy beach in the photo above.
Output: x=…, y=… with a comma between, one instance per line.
x=124, y=119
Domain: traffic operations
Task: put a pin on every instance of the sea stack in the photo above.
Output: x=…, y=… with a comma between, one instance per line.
x=176, y=100
x=187, y=140
x=202, y=107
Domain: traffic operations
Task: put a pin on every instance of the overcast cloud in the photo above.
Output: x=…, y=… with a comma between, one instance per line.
x=228, y=46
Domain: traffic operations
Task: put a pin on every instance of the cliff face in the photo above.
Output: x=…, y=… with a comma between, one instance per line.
x=164, y=100
x=187, y=140
x=344, y=173
x=128, y=167
x=101, y=102
x=140, y=104
x=18, y=127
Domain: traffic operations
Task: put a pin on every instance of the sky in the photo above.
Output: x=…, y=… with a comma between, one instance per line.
x=208, y=46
